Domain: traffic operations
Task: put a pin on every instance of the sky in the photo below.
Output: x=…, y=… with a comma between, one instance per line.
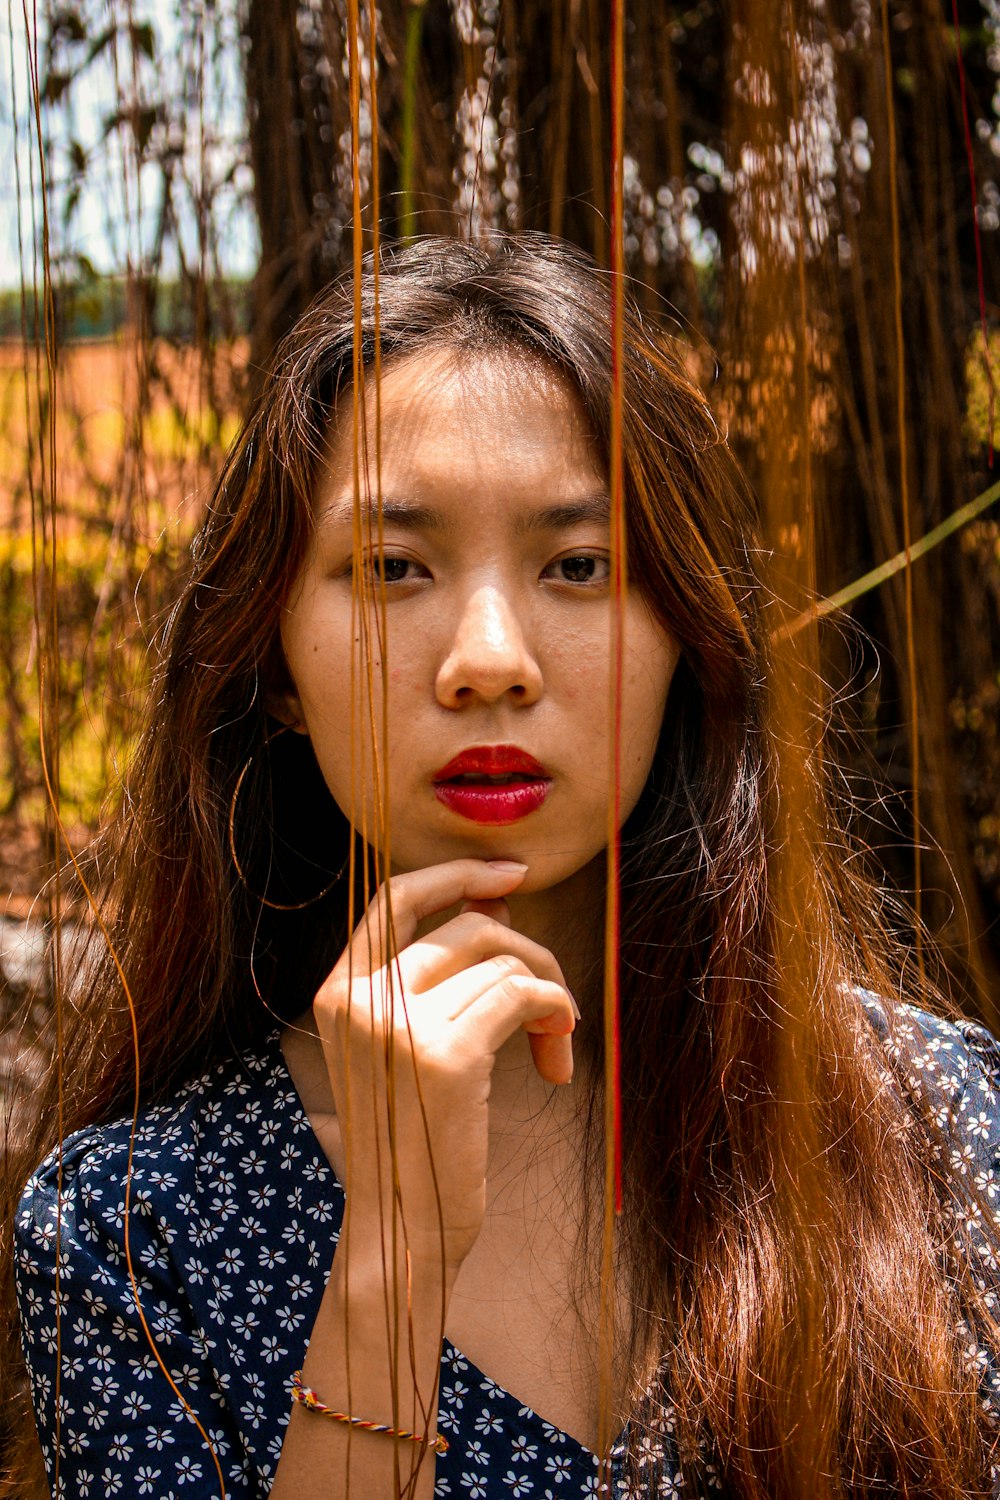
x=114, y=220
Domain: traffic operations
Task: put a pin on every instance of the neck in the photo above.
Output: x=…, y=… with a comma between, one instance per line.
x=569, y=920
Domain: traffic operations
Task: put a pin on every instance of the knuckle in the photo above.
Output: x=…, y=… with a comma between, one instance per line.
x=508, y=965
x=397, y=889
x=478, y=928
x=389, y=888
x=331, y=995
x=511, y=988
x=471, y=924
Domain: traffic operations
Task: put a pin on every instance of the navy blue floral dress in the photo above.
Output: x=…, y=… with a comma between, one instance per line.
x=233, y=1217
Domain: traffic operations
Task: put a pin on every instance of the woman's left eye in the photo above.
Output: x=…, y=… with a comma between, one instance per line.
x=579, y=568
x=389, y=569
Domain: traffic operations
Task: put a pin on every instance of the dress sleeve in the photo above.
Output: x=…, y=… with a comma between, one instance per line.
x=109, y=1420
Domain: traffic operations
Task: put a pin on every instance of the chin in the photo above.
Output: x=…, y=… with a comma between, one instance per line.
x=546, y=871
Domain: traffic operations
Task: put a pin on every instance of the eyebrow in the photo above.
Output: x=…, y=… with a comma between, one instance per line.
x=411, y=515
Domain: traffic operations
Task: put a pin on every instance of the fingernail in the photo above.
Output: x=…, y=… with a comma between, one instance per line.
x=576, y=1009
x=505, y=864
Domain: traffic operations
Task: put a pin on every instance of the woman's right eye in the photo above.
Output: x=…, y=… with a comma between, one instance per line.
x=387, y=569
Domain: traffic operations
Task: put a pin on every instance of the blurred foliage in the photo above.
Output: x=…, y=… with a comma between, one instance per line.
x=96, y=307
x=982, y=386
x=137, y=433
x=86, y=635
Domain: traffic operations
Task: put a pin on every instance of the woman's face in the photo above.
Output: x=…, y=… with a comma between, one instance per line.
x=498, y=624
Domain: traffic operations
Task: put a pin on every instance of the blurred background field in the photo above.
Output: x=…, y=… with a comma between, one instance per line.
x=180, y=179
x=138, y=431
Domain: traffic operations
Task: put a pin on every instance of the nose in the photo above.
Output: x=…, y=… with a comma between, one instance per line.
x=489, y=657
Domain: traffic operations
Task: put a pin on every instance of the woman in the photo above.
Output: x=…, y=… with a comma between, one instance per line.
x=399, y=622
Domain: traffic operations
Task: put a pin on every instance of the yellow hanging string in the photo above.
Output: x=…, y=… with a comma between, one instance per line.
x=45, y=621
x=612, y=1061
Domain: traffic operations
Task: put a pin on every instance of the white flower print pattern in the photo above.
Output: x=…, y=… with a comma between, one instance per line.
x=234, y=1216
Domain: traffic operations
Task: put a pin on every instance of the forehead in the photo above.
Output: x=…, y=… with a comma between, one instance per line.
x=448, y=418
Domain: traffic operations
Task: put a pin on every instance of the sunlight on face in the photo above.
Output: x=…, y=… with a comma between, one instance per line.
x=498, y=623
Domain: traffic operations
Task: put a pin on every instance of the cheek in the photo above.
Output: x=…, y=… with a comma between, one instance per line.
x=649, y=670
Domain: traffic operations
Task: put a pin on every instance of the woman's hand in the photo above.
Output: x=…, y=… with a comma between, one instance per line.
x=410, y=1046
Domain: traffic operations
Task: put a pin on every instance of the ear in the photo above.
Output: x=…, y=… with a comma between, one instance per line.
x=286, y=708
x=280, y=697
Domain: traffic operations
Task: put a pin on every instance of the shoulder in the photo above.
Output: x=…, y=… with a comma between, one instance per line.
x=934, y=1053
x=165, y=1268
x=126, y=1239
x=949, y=1069
x=218, y=1125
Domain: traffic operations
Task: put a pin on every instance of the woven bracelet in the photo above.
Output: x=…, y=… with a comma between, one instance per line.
x=308, y=1398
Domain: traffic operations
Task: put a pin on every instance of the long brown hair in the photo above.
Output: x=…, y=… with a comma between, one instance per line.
x=786, y=1238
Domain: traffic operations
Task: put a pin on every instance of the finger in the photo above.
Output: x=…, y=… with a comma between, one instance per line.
x=449, y=1000
x=481, y=1008
x=516, y=1000
x=376, y=1008
x=405, y=900
x=469, y=939
x=498, y=910
x=553, y=1057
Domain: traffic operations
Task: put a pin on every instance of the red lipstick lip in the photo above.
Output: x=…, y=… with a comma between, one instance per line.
x=492, y=802
x=492, y=760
